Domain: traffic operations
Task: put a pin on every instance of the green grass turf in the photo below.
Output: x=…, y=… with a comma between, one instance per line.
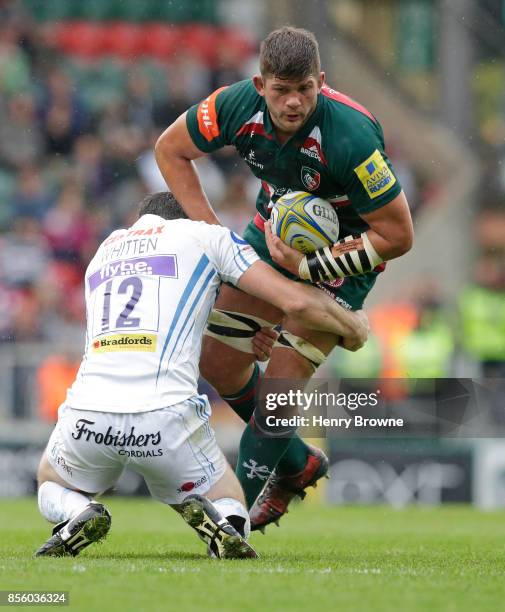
x=329, y=558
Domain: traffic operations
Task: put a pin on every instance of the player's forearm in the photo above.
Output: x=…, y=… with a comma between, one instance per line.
x=389, y=247
x=350, y=256
x=319, y=312
x=182, y=179
x=390, y=235
x=308, y=305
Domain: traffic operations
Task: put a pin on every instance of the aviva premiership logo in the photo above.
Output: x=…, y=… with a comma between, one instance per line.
x=310, y=178
x=375, y=175
x=125, y=342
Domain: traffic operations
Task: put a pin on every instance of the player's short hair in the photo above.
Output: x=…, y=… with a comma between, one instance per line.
x=162, y=204
x=290, y=53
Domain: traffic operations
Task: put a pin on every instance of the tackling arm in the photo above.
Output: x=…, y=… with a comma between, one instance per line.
x=175, y=152
x=308, y=305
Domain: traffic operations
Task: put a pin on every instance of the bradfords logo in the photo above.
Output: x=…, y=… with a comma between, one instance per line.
x=189, y=486
x=310, y=178
x=125, y=342
x=162, y=265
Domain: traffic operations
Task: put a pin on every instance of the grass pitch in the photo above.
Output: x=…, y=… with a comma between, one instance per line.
x=326, y=558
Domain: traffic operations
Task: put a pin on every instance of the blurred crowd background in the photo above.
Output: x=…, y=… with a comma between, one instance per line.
x=87, y=87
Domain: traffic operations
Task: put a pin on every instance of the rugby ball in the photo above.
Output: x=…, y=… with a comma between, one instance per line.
x=304, y=222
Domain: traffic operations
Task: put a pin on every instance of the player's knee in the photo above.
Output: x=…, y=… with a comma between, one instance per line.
x=227, y=378
x=304, y=357
x=44, y=471
x=208, y=368
x=219, y=376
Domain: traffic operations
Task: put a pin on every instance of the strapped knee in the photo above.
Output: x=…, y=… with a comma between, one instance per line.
x=235, y=329
x=305, y=348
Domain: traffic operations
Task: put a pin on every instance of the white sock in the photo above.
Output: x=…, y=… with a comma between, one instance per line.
x=236, y=514
x=57, y=503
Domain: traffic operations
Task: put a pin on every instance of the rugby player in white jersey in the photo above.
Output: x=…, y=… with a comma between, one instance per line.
x=149, y=290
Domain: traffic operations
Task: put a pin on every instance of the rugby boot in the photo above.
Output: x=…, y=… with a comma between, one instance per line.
x=273, y=501
x=222, y=539
x=72, y=536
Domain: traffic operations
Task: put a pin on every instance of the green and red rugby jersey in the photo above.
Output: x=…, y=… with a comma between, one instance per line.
x=338, y=155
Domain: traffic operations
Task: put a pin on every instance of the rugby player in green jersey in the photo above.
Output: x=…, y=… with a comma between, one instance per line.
x=296, y=134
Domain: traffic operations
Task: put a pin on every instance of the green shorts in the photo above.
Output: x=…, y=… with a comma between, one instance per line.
x=349, y=292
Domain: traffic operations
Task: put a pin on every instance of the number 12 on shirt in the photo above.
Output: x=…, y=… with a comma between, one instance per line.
x=126, y=303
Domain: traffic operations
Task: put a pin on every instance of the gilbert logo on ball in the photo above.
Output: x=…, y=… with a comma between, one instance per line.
x=304, y=222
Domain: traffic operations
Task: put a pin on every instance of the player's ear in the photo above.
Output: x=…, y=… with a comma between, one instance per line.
x=321, y=79
x=259, y=84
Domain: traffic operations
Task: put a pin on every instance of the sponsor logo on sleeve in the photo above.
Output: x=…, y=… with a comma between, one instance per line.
x=207, y=116
x=125, y=342
x=375, y=175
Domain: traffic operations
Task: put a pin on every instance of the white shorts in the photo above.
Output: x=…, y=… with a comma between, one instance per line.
x=173, y=448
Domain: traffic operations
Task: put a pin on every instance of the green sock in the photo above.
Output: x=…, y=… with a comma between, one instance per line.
x=292, y=453
x=242, y=401
x=258, y=456
x=294, y=459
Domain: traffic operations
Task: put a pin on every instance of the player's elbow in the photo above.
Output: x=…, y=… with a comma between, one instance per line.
x=356, y=339
x=163, y=149
x=400, y=244
x=356, y=334
x=297, y=307
x=407, y=241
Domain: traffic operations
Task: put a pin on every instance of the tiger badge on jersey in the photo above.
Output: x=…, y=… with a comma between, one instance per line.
x=375, y=175
x=310, y=178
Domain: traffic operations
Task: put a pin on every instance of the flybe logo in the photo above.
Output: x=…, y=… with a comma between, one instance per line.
x=162, y=265
x=123, y=268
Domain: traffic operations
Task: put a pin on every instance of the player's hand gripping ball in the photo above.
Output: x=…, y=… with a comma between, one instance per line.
x=304, y=222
